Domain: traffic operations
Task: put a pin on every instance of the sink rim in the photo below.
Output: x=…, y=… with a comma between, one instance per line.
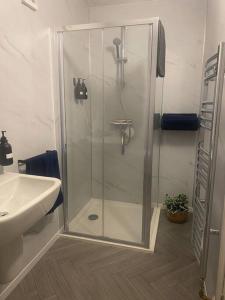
x=35, y=201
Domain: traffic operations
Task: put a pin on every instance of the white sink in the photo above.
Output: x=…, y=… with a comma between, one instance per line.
x=24, y=199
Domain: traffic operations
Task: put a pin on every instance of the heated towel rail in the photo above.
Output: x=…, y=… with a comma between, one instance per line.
x=209, y=115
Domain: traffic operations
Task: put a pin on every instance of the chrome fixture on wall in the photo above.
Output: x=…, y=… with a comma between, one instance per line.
x=126, y=132
x=117, y=43
x=120, y=56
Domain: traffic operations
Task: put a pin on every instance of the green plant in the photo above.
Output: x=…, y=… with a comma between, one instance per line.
x=177, y=203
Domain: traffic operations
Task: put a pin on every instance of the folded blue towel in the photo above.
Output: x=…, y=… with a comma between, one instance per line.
x=180, y=122
x=47, y=165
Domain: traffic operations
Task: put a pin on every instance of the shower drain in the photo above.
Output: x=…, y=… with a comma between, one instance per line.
x=92, y=217
x=3, y=213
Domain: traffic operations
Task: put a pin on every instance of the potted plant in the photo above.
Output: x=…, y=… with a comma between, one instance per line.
x=177, y=208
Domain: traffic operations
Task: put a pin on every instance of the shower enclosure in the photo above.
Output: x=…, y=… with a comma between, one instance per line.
x=110, y=138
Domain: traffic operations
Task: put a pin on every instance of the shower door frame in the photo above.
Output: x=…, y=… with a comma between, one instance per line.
x=147, y=182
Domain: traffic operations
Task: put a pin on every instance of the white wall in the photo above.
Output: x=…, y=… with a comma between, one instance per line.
x=26, y=86
x=215, y=33
x=184, y=26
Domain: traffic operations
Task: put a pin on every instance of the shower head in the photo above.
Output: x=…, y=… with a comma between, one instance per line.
x=117, y=43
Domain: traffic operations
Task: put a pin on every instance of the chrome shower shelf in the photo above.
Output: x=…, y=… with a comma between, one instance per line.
x=122, y=122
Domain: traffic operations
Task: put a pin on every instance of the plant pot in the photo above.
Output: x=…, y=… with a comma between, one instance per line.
x=180, y=217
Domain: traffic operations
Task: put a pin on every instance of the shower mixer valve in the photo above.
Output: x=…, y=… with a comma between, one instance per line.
x=126, y=132
x=125, y=138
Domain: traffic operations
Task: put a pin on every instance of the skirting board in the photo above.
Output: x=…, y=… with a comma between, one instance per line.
x=13, y=284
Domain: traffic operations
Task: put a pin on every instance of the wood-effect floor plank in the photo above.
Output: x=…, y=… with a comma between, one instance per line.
x=83, y=270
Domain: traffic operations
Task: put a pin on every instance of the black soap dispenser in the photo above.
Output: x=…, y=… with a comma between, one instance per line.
x=84, y=90
x=78, y=90
x=6, y=156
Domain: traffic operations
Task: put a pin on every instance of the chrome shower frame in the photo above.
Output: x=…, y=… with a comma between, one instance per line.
x=152, y=64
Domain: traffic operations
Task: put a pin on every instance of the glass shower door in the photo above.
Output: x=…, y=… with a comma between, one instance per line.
x=126, y=116
x=82, y=53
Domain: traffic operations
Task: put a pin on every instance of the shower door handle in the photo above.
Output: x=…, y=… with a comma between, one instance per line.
x=123, y=143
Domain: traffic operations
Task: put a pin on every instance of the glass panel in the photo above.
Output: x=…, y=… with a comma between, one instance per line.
x=126, y=102
x=83, y=131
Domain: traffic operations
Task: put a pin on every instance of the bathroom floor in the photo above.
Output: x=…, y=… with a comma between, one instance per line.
x=81, y=270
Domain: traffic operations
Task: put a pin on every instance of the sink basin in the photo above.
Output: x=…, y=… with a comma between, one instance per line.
x=24, y=199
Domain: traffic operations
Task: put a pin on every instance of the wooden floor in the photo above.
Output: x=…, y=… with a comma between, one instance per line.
x=81, y=270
